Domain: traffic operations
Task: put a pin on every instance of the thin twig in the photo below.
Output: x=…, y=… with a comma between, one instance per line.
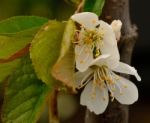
x=80, y=6
x=117, y=9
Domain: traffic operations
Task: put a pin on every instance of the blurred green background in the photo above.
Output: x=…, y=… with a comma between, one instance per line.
x=52, y=9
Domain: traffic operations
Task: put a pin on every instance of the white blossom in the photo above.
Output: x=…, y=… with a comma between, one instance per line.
x=98, y=60
x=98, y=80
x=96, y=39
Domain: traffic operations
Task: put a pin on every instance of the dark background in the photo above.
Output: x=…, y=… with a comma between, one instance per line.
x=140, y=15
x=140, y=111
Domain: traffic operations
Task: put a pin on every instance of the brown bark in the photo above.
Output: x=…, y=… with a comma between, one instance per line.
x=117, y=9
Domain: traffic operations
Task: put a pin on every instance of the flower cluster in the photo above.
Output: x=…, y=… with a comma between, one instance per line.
x=97, y=61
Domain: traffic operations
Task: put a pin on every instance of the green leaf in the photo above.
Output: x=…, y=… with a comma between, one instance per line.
x=25, y=96
x=17, y=32
x=95, y=6
x=64, y=68
x=20, y=23
x=45, y=49
x=7, y=68
x=11, y=43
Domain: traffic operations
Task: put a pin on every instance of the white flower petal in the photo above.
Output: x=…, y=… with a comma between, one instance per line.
x=87, y=19
x=125, y=68
x=109, y=45
x=101, y=60
x=81, y=77
x=111, y=61
x=97, y=104
x=83, y=57
x=125, y=91
x=116, y=26
x=109, y=40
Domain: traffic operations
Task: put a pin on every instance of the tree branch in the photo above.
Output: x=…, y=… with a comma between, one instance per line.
x=117, y=9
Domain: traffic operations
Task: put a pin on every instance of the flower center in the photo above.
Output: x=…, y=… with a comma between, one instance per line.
x=95, y=39
x=105, y=79
x=92, y=38
x=102, y=77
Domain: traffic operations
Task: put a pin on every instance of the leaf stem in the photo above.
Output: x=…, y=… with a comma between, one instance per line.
x=53, y=112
